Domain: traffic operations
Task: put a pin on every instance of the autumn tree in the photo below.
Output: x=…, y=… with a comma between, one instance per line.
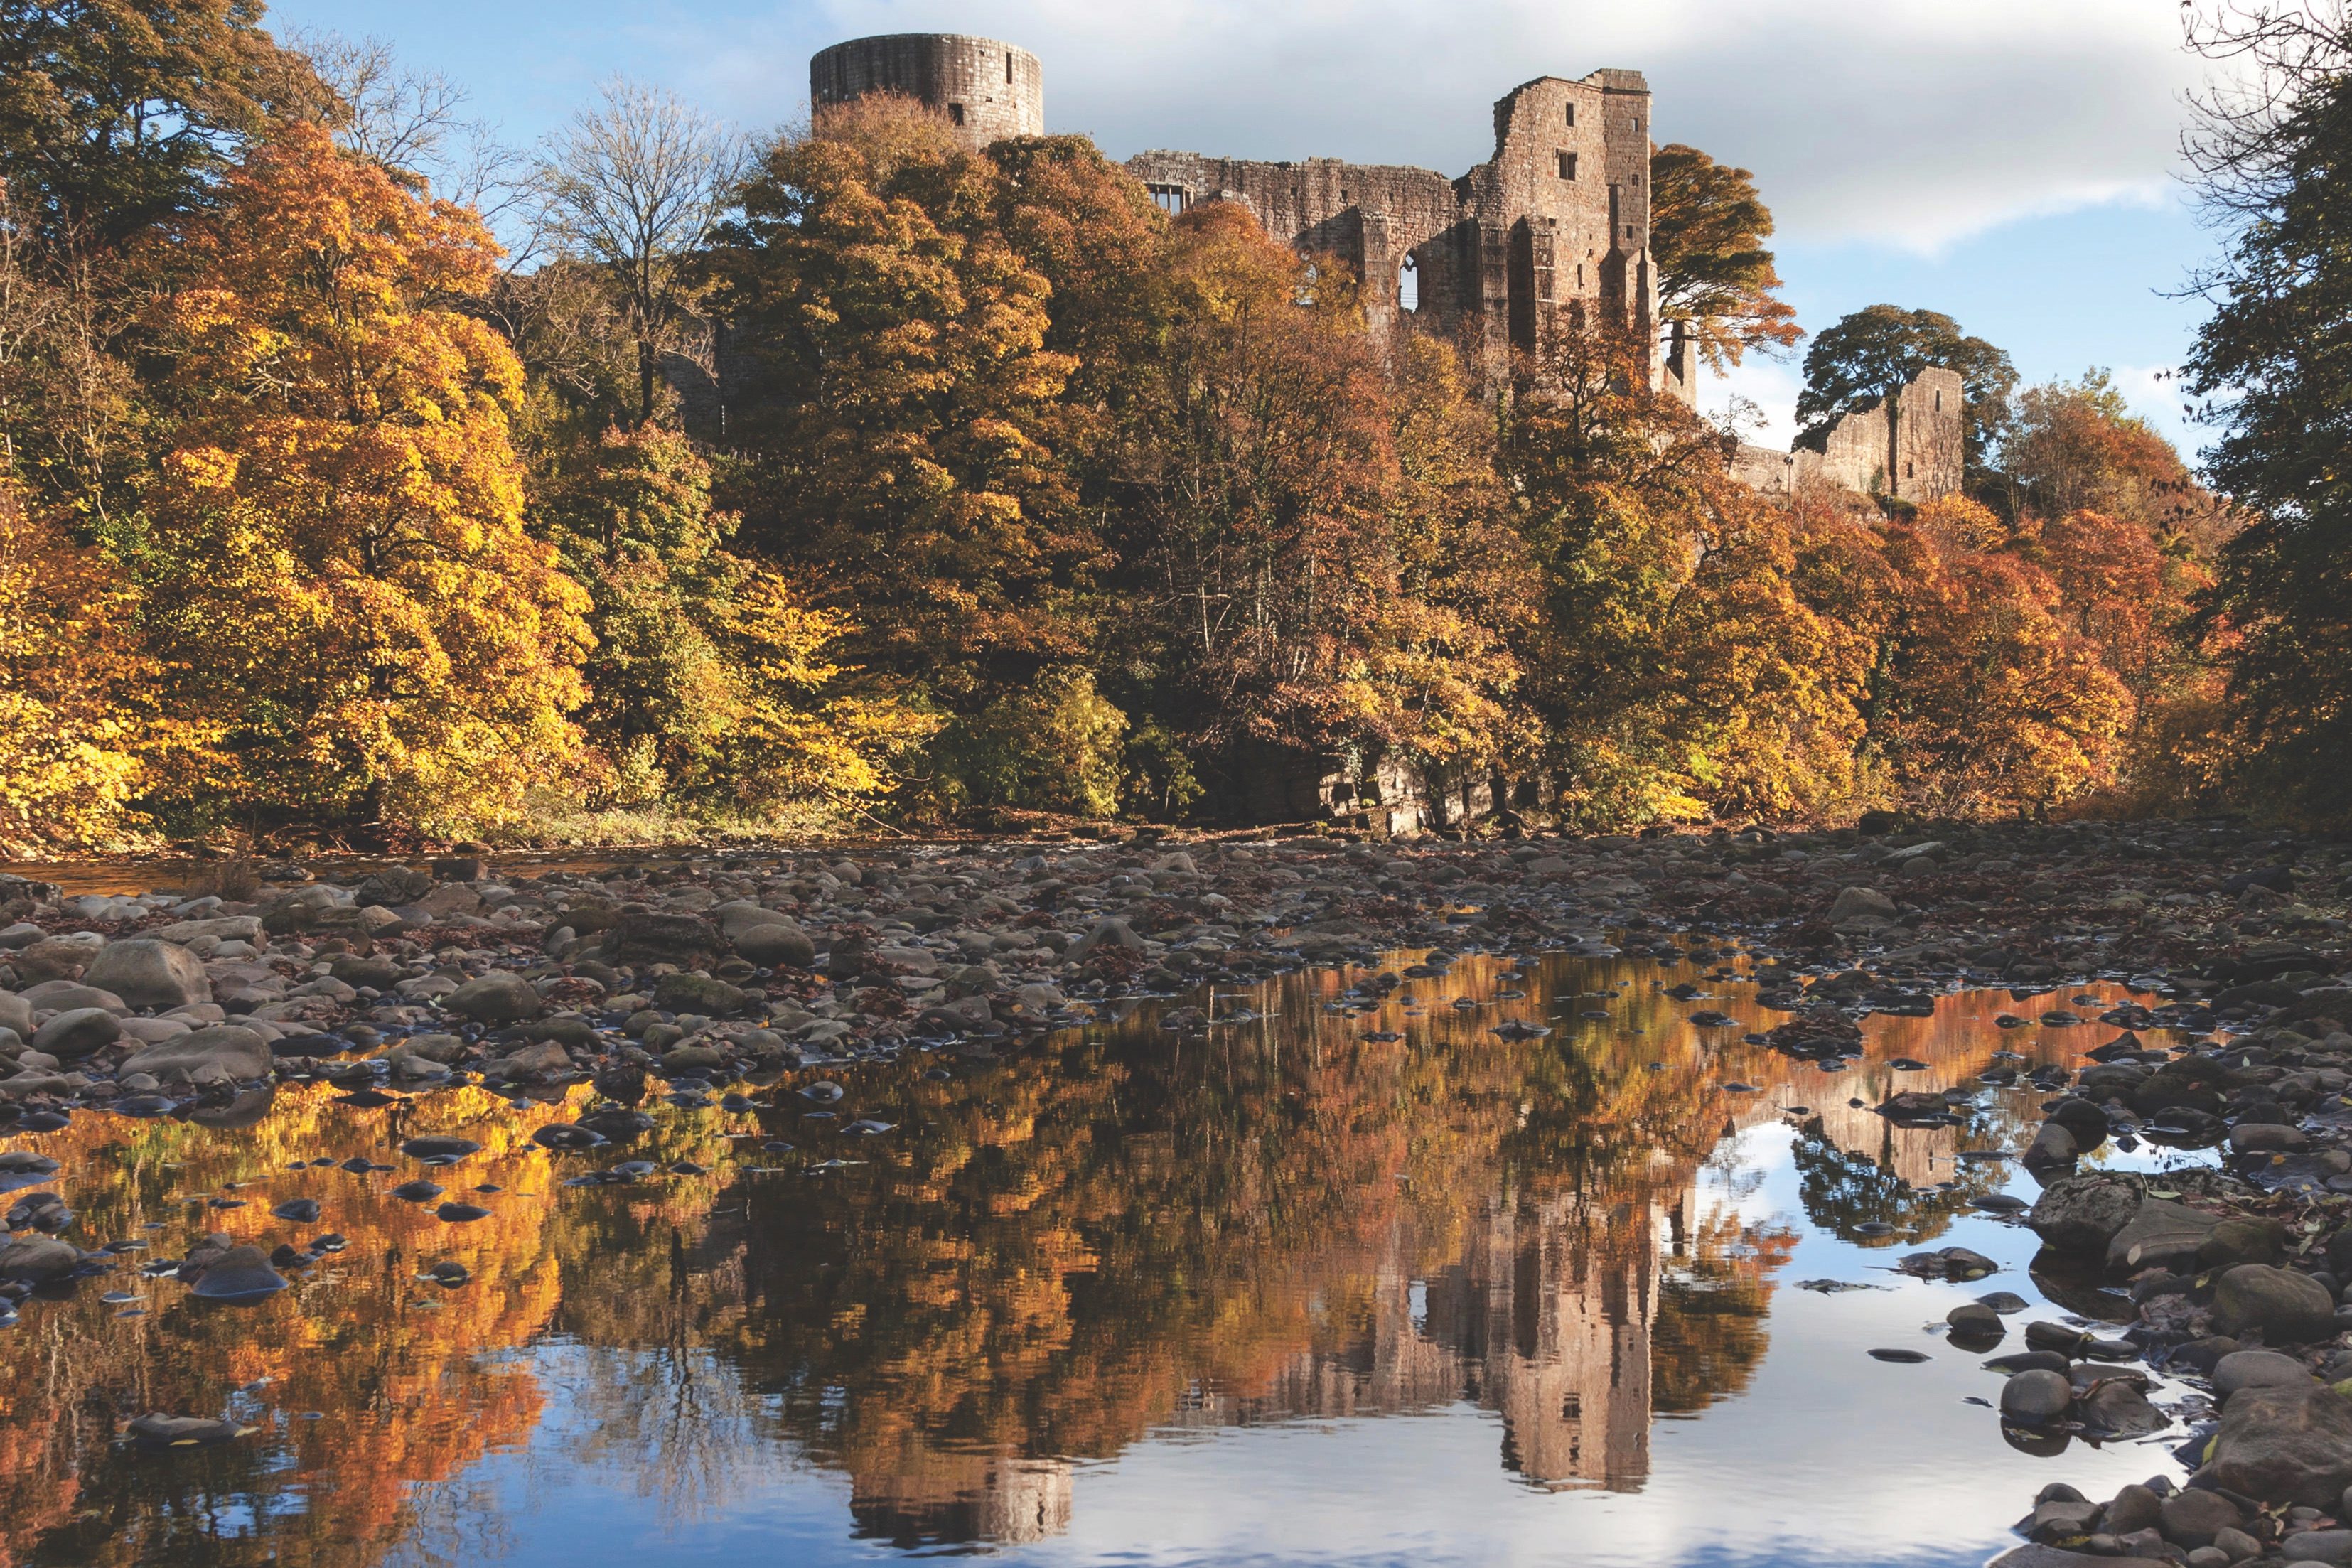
x=1879, y=349
x=898, y=405
x=709, y=684
x=335, y=565
x=71, y=731
x=1300, y=601
x=1674, y=668
x=1707, y=229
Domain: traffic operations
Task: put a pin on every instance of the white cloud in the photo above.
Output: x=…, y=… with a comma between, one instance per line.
x=1910, y=124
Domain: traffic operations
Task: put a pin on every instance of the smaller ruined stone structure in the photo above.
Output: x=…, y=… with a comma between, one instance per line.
x=1909, y=445
x=988, y=90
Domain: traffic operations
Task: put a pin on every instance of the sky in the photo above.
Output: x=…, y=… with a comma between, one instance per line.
x=2011, y=163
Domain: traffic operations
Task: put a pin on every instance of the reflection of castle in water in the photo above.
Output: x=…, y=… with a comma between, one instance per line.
x=1544, y=1319
x=947, y=1495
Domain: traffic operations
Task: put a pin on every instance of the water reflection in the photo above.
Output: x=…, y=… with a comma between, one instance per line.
x=1133, y=1236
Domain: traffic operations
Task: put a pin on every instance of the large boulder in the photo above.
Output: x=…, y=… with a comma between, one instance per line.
x=226, y=927
x=2081, y=1215
x=146, y=973
x=69, y=1036
x=16, y=1014
x=774, y=944
x=687, y=940
x=499, y=998
x=684, y=993
x=2285, y=1444
x=1861, y=906
x=37, y=1259
x=2286, y=1308
x=2160, y=1234
x=225, y=1053
x=238, y=1275
x=2257, y=1369
x=65, y=995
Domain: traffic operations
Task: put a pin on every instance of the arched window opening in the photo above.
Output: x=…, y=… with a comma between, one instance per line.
x=1409, y=285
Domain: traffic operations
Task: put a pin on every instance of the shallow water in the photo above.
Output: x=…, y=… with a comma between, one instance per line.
x=1278, y=1294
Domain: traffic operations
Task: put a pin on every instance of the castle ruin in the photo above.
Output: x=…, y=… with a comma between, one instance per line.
x=1552, y=230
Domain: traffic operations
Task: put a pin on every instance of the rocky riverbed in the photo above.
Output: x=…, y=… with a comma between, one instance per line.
x=739, y=979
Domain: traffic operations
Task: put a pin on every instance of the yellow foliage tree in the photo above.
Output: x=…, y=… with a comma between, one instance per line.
x=68, y=751
x=336, y=562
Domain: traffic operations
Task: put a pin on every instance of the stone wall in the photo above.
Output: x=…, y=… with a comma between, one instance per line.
x=1908, y=445
x=987, y=89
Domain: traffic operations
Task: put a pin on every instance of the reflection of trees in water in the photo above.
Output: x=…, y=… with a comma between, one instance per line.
x=1060, y=1253
x=1842, y=1189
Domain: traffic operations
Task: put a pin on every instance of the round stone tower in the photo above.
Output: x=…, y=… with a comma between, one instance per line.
x=987, y=89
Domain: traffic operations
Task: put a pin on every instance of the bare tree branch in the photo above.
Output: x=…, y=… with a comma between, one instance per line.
x=635, y=184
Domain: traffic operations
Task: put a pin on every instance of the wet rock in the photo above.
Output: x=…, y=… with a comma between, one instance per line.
x=71, y=1036
x=2285, y=1444
x=2043, y=1556
x=2284, y=1307
x=37, y=1259
x=544, y=1060
x=2133, y=1508
x=500, y=998
x=156, y=1430
x=1862, y=906
x=1111, y=932
x=239, y=1275
x=440, y=1147
x=223, y=1053
x=146, y=973
x=2052, y=1147
x=777, y=944
x=2036, y=1398
x=461, y=1214
x=2327, y=1546
x=418, y=1192
x=697, y=994
x=2079, y=1215
x=1975, y=1323
x=300, y=1210
x=2161, y=1233
x=2237, y=1241
x=686, y=940
x=2193, y=1516
x=2118, y=1408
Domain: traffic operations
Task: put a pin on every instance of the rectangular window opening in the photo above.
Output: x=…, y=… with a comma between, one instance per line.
x=1008, y=67
x=955, y=112
x=1571, y=114
x=1567, y=165
x=1170, y=199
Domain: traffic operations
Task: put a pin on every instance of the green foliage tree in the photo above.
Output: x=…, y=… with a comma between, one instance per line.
x=118, y=115
x=1880, y=348
x=2269, y=361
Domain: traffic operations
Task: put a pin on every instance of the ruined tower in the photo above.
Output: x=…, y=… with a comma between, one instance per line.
x=987, y=89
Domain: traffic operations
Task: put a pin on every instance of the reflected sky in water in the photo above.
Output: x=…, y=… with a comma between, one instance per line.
x=1277, y=1292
